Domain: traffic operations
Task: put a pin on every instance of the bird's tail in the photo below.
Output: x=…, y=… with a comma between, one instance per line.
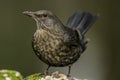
x=81, y=21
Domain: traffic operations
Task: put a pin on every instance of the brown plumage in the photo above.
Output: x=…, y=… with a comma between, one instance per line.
x=58, y=45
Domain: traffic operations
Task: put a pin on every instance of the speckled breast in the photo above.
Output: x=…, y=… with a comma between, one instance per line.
x=52, y=50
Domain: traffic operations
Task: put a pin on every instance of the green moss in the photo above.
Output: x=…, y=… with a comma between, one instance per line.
x=36, y=76
x=10, y=75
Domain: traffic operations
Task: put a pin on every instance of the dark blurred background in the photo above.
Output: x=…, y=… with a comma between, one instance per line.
x=101, y=60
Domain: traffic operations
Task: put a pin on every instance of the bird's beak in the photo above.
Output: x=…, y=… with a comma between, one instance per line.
x=29, y=13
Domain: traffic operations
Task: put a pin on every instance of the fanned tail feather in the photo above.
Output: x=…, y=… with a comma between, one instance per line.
x=81, y=21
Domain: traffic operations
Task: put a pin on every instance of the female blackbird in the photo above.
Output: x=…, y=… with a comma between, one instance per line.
x=58, y=45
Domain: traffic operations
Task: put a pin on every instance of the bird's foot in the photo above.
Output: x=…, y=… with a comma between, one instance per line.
x=56, y=74
x=45, y=73
x=71, y=78
x=68, y=75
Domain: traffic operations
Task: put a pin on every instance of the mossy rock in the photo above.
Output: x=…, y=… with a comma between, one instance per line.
x=54, y=76
x=15, y=75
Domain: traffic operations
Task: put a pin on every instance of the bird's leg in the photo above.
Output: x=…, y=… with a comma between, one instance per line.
x=47, y=70
x=69, y=69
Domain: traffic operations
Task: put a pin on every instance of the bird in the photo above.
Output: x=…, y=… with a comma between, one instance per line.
x=56, y=44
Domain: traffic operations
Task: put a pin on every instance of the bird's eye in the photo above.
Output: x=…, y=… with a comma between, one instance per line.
x=45, y=15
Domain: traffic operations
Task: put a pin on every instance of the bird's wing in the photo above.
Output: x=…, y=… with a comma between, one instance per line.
x=81, y=21
x=80, y=24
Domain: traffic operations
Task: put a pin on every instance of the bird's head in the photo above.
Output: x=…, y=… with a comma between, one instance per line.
x=43, y=18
